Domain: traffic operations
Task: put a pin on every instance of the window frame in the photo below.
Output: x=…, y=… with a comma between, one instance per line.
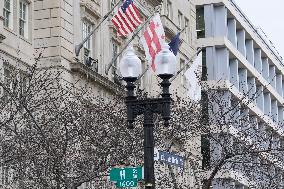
x=169, y=9
x=200, y=23
x=180, y=20
x=115, y=50
x=4, y=175
x=86, y=29
x=23, y=13
x=186, y=32
x=8, y=14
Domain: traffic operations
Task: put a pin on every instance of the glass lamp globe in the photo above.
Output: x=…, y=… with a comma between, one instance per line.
x=130, y=64
x=165, y=61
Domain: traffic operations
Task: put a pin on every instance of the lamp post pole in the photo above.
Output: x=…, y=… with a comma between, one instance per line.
x=130, y=70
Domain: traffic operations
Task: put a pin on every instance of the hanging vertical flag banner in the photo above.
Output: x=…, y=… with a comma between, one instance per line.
x=174, y=44
x=153, y=39
x=193, y=76
x=127, y=19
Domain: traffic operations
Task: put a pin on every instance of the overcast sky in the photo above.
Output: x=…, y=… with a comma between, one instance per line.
x=269, y=15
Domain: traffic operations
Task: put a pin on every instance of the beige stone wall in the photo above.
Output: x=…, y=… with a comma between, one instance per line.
x=55, y=29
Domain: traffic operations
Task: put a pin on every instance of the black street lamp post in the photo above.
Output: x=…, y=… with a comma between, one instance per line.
x=130, y=68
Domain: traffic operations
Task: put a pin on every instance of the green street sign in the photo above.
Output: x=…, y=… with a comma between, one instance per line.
x=126, y=174
x=126, y=183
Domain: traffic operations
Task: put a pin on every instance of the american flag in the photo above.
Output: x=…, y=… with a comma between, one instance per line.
x=127, y=19
x=153, y=39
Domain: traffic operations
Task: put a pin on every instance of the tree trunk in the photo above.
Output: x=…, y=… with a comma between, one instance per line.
x=208, y=182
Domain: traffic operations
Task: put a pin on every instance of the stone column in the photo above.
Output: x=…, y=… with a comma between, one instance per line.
x=282, y=89
x=257, y=60
x=209, y=22
x=215, y=27
x=221, y=64
x=241, y=36
x=279, y=84
x=243, y=86
x=234, y=72
x=1, y=20
x=252, y=89
x=265, y=68
x=272, y=76
x=260, y=98
x=280, y=113
x=220, y=21
x=232, y=31
x=274, y=110
x=267, y=104
x=250, y=51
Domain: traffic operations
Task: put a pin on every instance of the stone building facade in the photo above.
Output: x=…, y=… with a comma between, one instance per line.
x=234, y=53
x=52, y=29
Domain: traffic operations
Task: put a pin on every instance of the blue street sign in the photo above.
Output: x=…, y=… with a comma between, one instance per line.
x=169, y=158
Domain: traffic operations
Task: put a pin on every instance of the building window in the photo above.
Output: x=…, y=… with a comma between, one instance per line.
x=180, y=20
x=5, y=175
x=200, y=24
x=7, y=13
x=186, y=30
x=204, y=66
x=114, y=64
x=23, y=15
x=205, y=151
x=169, y=9
x=86, y=29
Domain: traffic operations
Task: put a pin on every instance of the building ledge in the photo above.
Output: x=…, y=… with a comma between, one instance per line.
x=92, y=7
x=226, y=85
x=156, y=2
x=98, y=78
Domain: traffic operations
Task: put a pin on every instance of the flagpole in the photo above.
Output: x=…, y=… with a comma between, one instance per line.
x=126, y=45
x=80, y=45
x=140, y=76
x=184, y=67
x=183, y=29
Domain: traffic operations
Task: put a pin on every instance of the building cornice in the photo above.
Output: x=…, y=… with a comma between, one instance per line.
x=96, y=77
x=91, y=7
x=155, y=2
